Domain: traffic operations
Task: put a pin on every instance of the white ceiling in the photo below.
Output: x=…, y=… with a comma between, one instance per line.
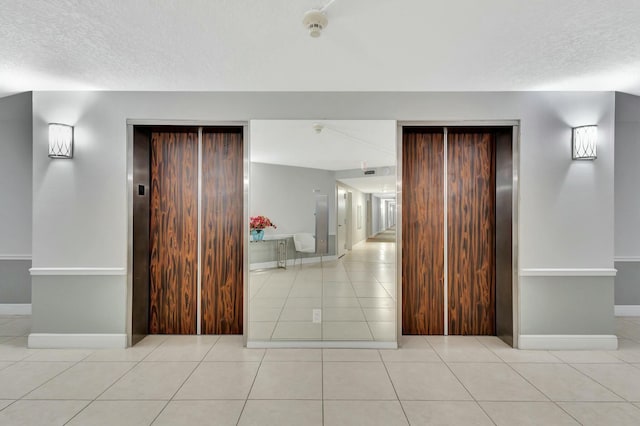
x=243, y=45
x=341, y=145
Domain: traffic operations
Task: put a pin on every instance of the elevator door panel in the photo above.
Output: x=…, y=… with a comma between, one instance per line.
x=423, y=231
x=471, y=232
x=222, y=231
x=173, y=232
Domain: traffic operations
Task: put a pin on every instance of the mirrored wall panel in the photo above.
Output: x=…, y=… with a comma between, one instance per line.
x=322, y=249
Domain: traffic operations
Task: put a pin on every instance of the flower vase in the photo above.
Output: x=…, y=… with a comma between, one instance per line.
x=257, y=234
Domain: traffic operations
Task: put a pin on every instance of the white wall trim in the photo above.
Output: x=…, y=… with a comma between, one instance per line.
x=15, y=257
x=568, y=272
x=78, y=271
x=568, y=342
x=627, y=310
x=76, y=341
x=339, y=344
x=15, y=308
x=626, y=259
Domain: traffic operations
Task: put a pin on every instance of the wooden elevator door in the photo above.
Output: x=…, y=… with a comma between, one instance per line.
x=423, y=231
x=222, y=230
x=471, y=232
x=173, y=232
x=470, y=212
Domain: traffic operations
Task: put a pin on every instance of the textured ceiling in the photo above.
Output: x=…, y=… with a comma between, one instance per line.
x=381, y=45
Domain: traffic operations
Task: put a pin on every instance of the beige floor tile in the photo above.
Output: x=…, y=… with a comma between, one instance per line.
x=23, y=377
x=135, y=353
x=444, y=413
x=586, y=357
x=370, y=413
x=346, y=330
x=409, y=355
x=527, y=414
x=383, y=331
x=219, y=380
x=603, y=413
x=295, y=313
x=363, y=355
x=293, y=355
x=509, y=354
x=182, y=348
x=230, y=348
x=85, y=380
x=413, y=342
x=357, y=381
x=15, y=349
x=281, y=413
x=261, y=331
x=340, y=302
x=213, y=413
x=297, y=331
x=342, y=314
x=623, y=379
x=306, y=291
x=561, y=382
x=277, y=302
x=495, y=382
x=371, y=290
x=151, y=380
x=5, y=402
x=288, y=380
x=121, y=413
x=377, y=302
x=304, y=302
x=426, y=381
x=55, y=355
x=28, y=413
x=380, y=314
x=628, y=351
x=461, y=349
x=16, y=327
x=265, y=314
x=4, y=364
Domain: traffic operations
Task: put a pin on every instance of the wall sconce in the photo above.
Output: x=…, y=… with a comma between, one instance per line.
x=584, y=142
x=60, y=140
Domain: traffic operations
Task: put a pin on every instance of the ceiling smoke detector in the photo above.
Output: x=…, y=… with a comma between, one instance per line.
x=315, y=21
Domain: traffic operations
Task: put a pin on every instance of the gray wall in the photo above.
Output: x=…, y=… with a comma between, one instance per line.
x=376, y=217
x=627, y=199
x=566, y=207
x=285, y=195
x=16, y=147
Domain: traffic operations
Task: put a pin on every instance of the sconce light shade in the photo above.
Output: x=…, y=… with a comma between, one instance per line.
x=584, y=142
x=60, y=140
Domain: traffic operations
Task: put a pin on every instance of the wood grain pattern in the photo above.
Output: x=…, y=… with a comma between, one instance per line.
x=222, y=231
x=173, y=232
x=471, y=233
x=422, y=231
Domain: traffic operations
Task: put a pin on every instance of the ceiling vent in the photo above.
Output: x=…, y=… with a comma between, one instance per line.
x=315, y=21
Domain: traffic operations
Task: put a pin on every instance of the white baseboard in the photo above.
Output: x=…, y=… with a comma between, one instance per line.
x=76, y=341
x=15, y=308
x=627, y=310
x=568, y=342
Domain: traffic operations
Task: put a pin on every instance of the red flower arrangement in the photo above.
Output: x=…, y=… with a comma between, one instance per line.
x=260, y=222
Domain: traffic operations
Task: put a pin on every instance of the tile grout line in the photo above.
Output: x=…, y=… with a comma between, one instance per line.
x=393, y=386
x=251, y=387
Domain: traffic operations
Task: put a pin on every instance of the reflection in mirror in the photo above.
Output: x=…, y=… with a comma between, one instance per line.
x=326, y=270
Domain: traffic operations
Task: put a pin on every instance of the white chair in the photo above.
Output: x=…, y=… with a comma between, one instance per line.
x=304, y=243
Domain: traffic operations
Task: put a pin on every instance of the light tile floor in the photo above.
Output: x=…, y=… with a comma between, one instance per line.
x=356, y=295
x=176, y=380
